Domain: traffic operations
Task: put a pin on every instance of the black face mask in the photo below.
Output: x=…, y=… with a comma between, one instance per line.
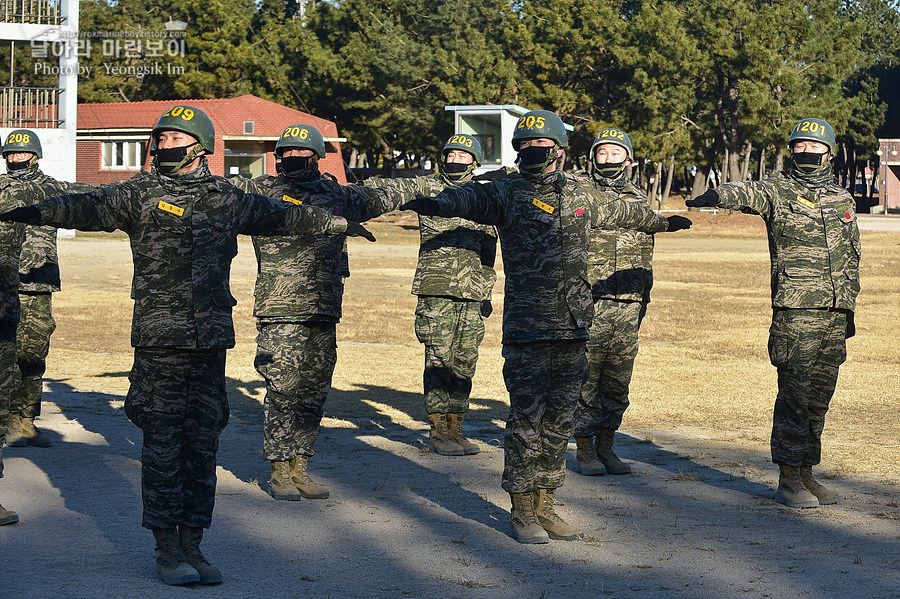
x=17, y=166
x=807, y=162
x=455, y=170
x=535, y=159
x=169, y=160
x=609, y=170
x=295, y=164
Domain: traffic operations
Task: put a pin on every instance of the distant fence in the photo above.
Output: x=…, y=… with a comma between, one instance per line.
x=29, y=106
x=41, y=12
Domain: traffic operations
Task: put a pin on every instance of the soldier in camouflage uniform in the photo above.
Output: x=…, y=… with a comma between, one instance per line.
x=299, y=286
x=453, y=281
x=544, y=219
x=183, y=224
x=621, y=275
x=815, y=250
x=12, y=236
x=39, y=278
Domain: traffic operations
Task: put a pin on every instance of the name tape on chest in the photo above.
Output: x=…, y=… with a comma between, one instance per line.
x=806, y=202
x=288, y=198
x=170, y=208
x=543, y=206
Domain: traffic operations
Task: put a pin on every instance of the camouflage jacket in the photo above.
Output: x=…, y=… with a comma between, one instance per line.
x=813, y=239
x=302, y=278
x=183, y=231
x=621, y=260
x=38, y=263
x=11, y=237
x=456, y=256
x=545, y=234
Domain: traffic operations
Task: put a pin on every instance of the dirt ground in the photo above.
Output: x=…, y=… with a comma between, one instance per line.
x=696, y=519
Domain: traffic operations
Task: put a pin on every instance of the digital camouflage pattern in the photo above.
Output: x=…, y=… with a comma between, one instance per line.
x=544, y=224
x=814, y=248
x=183, y=231
x=620, y=271
x=299, y=289
x=33, y=344
x=454, y=274
x=813, y=239
x=177, y=398
x=297, y=362
x=38, y=278
x=544, y=381
x=544, y=233
x=611, y=351
x=456, y=256
x=451, y=330
x=12, y=236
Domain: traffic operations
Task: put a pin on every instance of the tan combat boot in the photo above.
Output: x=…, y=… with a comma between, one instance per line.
x=303, y=482
x=7, y=516
x=280, y=484
x=440, y=441
x=825, y=495
x=524, y=520
x=32, y=435
x=171, y=567
x=791, y=491
x=454, y=425
x=190, y=537
x=586, y=456
x=555, y=526
x=14, y=436
x=613, y=464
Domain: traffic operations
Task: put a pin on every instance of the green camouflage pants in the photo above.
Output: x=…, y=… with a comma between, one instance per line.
x=297, y=361
x=611, y=351
x=451, y=331
x=33, y=342
x=544, y=381
x=9, y=377
x=807, y=347
x=177, y=398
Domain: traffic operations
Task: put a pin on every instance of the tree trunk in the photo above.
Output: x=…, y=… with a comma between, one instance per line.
x=745, y=161
x=654, y=192
x=670, y=175
x=762, y=164
x=779, y=161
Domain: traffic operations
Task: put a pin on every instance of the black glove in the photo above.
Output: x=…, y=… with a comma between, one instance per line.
x=710, y=197
x=678, y=223
x=355, y=229
x=850, y=331
x=486, y=308
x=28, y=215
x=422, y=205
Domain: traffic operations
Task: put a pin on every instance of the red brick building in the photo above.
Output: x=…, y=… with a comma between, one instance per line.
x=112, y=138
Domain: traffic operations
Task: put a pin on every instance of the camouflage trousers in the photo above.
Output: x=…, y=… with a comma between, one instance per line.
x=451, y=331
x=33, y=342
x=544, y=381
x=807, y=347
x=297, y=361
x=9, y=378
x=177, y=398
x=611, y=350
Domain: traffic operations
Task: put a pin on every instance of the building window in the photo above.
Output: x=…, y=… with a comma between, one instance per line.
x=245, y=159
x=119, y=155
x=486, y=128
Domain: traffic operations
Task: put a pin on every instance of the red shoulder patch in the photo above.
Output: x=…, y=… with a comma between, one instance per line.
x=846, y=215
x=579, y=211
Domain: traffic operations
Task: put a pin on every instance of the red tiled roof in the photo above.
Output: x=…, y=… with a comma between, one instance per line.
x=228, y=115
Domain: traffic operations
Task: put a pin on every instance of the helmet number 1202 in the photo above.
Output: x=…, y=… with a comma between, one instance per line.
x=810, y=126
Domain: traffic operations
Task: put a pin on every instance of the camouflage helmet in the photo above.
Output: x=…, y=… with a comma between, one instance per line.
x=22, y=140
x=540, y=123
x=611, y=135
x=813, y=130
x=301, y=136
x=186, y=119
x=466, y=143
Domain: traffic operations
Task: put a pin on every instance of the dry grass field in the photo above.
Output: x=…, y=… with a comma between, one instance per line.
x=702, y=368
